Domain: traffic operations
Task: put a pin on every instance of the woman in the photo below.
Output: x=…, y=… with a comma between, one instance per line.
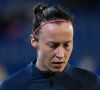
x=53, y=39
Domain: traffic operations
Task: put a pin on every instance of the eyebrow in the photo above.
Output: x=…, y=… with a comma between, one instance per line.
x=59, y=43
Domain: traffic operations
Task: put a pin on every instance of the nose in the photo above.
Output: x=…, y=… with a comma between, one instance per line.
x=60, y=52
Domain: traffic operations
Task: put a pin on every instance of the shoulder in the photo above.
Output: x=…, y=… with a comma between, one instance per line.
x=18, y=79
x=81, y=71
x=83, y=76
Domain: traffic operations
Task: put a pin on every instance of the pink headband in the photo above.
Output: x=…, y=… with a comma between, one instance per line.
x=50, y=22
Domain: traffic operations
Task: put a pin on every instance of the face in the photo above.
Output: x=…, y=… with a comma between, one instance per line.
x=54, y=46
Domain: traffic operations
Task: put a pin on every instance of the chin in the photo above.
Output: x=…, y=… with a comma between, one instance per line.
x=56, y=71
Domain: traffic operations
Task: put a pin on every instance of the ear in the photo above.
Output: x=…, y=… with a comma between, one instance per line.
x=33, y=42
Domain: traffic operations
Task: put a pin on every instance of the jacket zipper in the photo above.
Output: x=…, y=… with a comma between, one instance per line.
x=51, y=81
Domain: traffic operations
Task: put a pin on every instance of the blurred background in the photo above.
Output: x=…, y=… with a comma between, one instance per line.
x=16, y=27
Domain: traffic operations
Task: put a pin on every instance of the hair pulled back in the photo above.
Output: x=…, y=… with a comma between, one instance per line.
x=43, y=13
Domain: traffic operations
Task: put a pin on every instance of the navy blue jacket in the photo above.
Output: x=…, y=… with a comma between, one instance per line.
x=71, y=78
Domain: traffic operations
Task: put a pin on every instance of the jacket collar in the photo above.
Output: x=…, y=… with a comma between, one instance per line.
x=37, y=73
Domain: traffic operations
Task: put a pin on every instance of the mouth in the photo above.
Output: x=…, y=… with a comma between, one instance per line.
x=58, y=64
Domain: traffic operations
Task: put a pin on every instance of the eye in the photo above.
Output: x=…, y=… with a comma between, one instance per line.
x=53, y=46
x=67, y=45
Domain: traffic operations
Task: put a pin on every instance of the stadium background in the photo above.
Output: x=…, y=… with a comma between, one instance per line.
x=16, y=27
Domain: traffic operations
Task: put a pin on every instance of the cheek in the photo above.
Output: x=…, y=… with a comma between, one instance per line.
x=47, y=56
x=68, y=53
x=45, y=52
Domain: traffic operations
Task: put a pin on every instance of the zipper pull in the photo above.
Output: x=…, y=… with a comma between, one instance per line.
x=51, y=80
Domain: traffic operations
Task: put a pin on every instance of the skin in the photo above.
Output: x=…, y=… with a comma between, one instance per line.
x=54, y=46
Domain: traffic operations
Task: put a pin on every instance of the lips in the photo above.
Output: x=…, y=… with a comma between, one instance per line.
x=58, y=64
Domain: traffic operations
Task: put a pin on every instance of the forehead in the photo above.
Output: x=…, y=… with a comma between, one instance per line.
x=57, y=32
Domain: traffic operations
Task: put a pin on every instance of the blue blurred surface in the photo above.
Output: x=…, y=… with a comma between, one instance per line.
x=16, y=27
